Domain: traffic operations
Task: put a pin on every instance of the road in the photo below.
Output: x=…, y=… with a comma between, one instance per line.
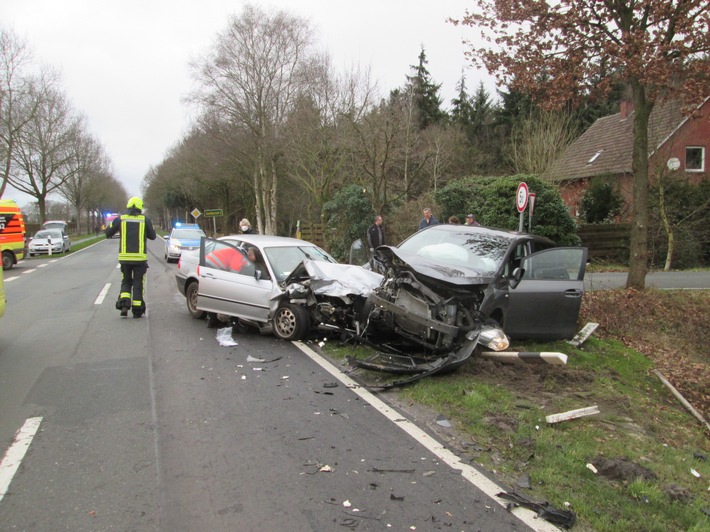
x=150, y=424
x=689, y=280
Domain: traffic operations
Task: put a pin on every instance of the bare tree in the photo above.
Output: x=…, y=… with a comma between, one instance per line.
x=17, y=103
x=42, y=160
x=252, y=79
x=538, y=141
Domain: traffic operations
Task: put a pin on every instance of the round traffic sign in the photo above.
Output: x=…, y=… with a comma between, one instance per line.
x=521, y=197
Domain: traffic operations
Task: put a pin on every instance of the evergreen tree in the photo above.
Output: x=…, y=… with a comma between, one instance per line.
x=426, y=95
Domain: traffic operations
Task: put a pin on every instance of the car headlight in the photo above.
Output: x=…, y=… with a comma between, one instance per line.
x=175, y=244
x=493, y=338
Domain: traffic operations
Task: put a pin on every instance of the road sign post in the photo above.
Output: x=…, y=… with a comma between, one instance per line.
x=531, y=204
x=521, y=201
x=213, y=213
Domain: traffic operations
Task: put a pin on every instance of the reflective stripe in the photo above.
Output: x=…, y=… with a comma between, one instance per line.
x=132, y=246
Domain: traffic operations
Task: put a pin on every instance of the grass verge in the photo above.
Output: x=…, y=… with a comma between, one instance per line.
x=646, y=448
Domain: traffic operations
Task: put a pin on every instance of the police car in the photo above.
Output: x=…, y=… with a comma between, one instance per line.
x=183, y=237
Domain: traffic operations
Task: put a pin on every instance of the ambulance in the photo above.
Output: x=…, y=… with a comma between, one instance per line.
x=12, y=233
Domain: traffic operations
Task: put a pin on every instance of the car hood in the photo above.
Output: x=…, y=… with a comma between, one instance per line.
x=333, y=279
x=189, y=242
x=447, y=273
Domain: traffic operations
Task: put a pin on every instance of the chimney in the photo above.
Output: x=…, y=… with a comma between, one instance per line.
x=626, y=108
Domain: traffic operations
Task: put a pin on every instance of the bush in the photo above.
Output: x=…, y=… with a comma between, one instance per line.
x=347, y=217
x=492, y=200
x=601, y=203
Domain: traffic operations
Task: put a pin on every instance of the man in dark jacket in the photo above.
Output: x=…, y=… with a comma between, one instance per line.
x=376, y=234
x=135, y=229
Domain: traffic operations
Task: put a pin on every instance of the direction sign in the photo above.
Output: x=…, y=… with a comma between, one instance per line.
x=214, y=212
x=521, y=197
x=196, y=213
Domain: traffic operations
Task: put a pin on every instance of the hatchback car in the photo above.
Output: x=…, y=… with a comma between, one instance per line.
x=184, y=237
x=522, y=281
x=49, y=241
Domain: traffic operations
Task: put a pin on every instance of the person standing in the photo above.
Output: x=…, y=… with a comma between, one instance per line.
x=471, y=220
x=376, y=234
x=428, y=220
x=135, y=228
x=246, y=228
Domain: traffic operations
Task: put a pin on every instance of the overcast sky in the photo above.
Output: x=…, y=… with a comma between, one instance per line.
x=124, y=64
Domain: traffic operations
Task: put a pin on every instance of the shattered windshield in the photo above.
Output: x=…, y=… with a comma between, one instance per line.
x=480, y=251
x=284, y=260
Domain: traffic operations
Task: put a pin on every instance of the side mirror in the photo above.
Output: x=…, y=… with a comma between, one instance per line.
x=257, y=275
x=515, y=279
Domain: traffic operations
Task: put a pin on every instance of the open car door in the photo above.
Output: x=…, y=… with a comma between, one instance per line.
x=228, y=282
x=546, y=302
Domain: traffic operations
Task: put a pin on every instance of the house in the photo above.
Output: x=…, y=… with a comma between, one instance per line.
x=678, y=147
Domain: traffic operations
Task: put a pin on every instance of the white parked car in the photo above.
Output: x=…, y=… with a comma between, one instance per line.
x=49, y=240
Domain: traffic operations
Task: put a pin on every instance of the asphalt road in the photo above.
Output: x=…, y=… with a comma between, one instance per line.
x=150, y=424
x=660, y=280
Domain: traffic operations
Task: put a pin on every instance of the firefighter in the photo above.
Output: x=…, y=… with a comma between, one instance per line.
x=135, y=228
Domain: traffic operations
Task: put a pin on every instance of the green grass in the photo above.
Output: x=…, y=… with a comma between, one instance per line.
x=640, y=421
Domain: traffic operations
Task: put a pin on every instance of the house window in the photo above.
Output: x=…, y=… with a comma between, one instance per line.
x=595, y=157
x=694, y=159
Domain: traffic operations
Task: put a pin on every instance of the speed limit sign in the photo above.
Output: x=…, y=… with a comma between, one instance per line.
x=521, y=197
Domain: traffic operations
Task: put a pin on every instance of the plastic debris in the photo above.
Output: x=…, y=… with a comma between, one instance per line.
x=326, y=469
x=347, y=504
x=592, y=468
x=694, y=473
x=254, y=359
x=224, y=337
x=563, y=518
x=441, y=420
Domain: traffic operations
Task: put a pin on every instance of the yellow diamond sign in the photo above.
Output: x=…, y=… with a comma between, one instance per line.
x=196, y=213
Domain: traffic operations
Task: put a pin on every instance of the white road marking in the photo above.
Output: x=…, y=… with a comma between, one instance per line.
x=102, y=294
x=14, y=455
x=8, y=279
x=42, y=265
x=28, y=271
x=471, y=474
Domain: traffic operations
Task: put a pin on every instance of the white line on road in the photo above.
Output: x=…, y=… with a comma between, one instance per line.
x=8, y=279
x=14, y=455
x=471, y=474
x=28, y=271
x=102, y=294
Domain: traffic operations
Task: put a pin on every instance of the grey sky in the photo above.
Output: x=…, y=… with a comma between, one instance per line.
x=125, y=64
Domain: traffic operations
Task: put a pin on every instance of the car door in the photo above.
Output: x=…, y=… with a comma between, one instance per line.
x=546, y=302
x=227, y=282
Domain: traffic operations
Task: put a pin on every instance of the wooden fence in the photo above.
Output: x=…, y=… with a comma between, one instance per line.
x=312, y=232
x=606, y=240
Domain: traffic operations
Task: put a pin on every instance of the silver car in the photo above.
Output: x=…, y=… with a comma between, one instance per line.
x=257, y=279
x=49, y=241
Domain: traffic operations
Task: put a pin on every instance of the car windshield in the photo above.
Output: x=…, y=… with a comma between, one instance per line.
x=49, y=233
x=483, y=252
x=188, y=234
x=284, y=259
x=53, y=225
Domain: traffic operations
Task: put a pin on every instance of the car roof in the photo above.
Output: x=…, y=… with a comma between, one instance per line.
x=268, y=240
x=55, y=222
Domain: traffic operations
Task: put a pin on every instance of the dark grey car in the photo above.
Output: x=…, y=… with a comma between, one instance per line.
x=529, y=286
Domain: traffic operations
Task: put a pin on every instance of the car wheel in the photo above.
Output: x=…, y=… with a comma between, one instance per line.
x=291, y=322
x=7, y=262
x=191, y=300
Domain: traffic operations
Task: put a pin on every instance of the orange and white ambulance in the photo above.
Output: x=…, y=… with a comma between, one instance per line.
x=12, y=233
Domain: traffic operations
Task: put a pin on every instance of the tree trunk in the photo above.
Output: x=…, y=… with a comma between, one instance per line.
x=638, y=259
x=666, y=225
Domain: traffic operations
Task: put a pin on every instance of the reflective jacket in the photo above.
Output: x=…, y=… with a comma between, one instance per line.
x=135, y=229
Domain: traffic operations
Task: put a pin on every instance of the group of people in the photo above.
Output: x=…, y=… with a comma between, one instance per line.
x=376, y=233
x=429, y=219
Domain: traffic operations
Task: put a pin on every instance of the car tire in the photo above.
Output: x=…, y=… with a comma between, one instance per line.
x=7, y=260
x=291, y=322
x=191, y=300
